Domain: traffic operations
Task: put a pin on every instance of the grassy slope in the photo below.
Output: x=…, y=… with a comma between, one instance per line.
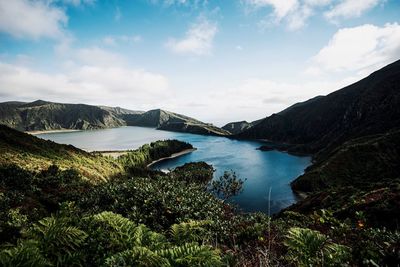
x=32, y=153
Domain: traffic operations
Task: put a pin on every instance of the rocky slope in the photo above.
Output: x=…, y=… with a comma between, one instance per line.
x=367, y=107
x=237, y=127
x=193, y=127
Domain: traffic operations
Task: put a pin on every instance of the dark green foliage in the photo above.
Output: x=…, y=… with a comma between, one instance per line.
x=158, y=202
x=25, y=254
x=150, y=152
x=50, y=242
x=144, y=218
x=194, y=172
x=227, y=185
x=105, y=239
x=357, y=163
x=29, y=196
x=311, y=248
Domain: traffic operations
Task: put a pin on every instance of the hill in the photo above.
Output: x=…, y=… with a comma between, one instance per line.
x=42, y=115
x=237, y=127
x=169, y=121
x=358, y=162
x=367, y=107
x=32, y=153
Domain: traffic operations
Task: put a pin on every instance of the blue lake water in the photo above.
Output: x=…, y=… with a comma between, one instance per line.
x=263, y=171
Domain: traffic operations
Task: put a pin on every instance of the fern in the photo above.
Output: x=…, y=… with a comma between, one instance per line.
x=138, y=256
x=26, y=253
x=57, y=240
x=311, y=248
x=192, y=231
x=191, y=255
x=126, y=234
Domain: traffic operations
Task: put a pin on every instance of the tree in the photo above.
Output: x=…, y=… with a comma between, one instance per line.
x=227, y=185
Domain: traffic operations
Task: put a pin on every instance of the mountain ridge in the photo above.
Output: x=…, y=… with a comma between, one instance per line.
x=43, y=115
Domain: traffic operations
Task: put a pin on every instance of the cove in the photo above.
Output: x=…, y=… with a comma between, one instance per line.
x=263, y=171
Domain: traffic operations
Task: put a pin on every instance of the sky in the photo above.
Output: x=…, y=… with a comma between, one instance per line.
x=215, y=60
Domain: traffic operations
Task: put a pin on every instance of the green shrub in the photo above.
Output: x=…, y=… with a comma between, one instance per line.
x=307, y=247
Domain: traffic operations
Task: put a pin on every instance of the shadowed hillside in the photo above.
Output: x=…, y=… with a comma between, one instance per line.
x=367, y=107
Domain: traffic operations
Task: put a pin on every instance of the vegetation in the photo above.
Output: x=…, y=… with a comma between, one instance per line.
x=227, y=186
x=56, y=216
x=148, y=153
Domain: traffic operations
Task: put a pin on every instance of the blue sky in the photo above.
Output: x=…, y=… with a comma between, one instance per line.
x=218, y=61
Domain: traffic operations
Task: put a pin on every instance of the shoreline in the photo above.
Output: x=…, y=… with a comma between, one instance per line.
x=52, y=131
x=174, y=155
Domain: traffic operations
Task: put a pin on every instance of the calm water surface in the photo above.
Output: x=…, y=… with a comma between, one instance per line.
x=264, y=171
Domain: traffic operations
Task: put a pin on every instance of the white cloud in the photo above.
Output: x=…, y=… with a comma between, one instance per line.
x=32, y=19
x=198, y=39
x=281, y=8
x=363, y=49
x=79, y=2
x=350, y=8
x=116, y=40
x=185, y=3
x=97, y=56
x=111, y=85
x=295, y=13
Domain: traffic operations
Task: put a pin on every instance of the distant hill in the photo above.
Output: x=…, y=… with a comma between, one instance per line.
x=42, y=115
x=239, y=126
x=370, y=106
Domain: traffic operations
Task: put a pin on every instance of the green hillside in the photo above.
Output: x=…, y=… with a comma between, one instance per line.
x=32, y=153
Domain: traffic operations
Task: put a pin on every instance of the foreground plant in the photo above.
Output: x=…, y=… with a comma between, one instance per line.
x=311, y=248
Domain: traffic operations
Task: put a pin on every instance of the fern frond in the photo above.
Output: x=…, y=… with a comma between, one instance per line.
x=125, y=232
x=191, y=255
x=311, y=248
x=57, y=239
x=187, y=232
x=26, y=253
x=138, y=256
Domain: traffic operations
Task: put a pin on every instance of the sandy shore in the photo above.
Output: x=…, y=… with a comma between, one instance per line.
x=52, y=131
x=175, y=155
x=115, y=154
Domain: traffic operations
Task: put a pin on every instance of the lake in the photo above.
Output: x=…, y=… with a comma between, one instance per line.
x=263, y=171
